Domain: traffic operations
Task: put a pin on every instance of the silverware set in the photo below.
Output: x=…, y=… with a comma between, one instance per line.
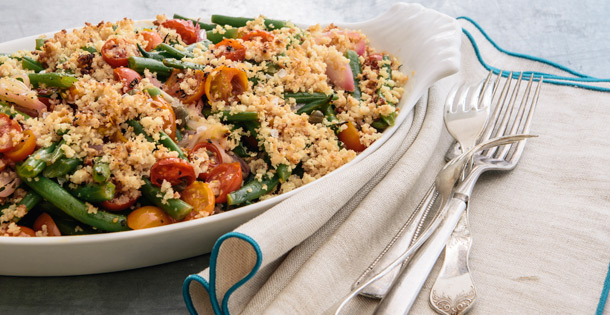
x=441, y=219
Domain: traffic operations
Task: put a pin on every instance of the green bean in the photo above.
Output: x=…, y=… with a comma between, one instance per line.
x=58, y=153
x=216, y=37
x=59, y=197
x=252, y=126
x=173, y=52
x=202, y=25
x=167, y=142
x=31, y=64
x=313, y=105
x=39, y=43
x=303, y=98
x=60, y=80
x=329, y=112
x=152, y=55
x=385, y=121
x=164, y=139
x=354, y=64
x=100, y=172
x=253, y=190
x=283, y=172
x=89, y=49
x=36, y=162
x=241, y=151
x=30, y=200
x=170, y=62
x=62, y=167
x=239, y=116
x=139, y=64
x=176, y=208
x=241, y=21
x=12, y=112
x=94, y=192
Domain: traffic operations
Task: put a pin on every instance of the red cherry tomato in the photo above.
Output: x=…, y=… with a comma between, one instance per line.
x=224, y=84
x=7, y=128
x=351, y=138
x=263, y=35
x=152, y=38
x=114, y=52
x=172, y=85
x=119, y=203
x=200, y=196
x=174, y=170
x=26, y=146
x=229, y=179
x=45, y=219
x=23, y=232
x=128, y=77
x=232, y=49
x=215, y=158
x=147, y=217
x=185, y=29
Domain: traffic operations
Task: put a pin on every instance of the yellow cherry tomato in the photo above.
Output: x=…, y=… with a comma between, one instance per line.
x=224, y=84
x=147, y=217
x=201, y=197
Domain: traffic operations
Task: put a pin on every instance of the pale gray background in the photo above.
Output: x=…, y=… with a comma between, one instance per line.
x=572, y=33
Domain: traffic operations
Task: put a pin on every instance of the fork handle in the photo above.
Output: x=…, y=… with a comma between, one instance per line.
x=402, y=295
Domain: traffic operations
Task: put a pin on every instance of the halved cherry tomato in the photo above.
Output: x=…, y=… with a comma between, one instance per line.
x=119, y=203
x=200, y=196
x=232, y=49
x=152, y=38
x=351, y=139
x=229, y=177
x=147, y=217
x=185, y=29
x=7, y=127
x=24, y=231
x=26, y=146
x=195, y=79
x=215, y=158
x=128, y=77
x=45, y=219
x=224, y=83
x=169, y=122
x=114, y=52
x=174, y=170
x=263, y=35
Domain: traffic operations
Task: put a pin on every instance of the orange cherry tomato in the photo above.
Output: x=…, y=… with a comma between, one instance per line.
x=22, y=150
x=45, y=219
x=224, y=84
x=152, y=38
x=187, y=31
x=23, y=232
x=200, y=196
x=215, y=158
x=351, y=138
x=7, y=128
x=169, y=122
x=174, y=170
x=114, y=52
x=128, y=77
x=232, y=49
x=119, y=203
x=229, y=177
x=263, y=35
x=147, y=217
x=196, y=79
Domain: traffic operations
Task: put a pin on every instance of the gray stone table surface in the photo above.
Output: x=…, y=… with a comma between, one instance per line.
x=572, y=33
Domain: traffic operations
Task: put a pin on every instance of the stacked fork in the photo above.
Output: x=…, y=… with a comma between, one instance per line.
x=501, y=148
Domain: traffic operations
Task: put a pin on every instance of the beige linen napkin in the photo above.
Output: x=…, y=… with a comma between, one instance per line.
x=541, y=232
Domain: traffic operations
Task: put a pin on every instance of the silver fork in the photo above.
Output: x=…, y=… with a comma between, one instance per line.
x=508, y=120
x=465, y=118
x=468, y=115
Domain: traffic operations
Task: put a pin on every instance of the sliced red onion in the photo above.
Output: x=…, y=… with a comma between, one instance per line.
x=9, y=181
x=15, y=91
x=339, y=72
x=245, y=169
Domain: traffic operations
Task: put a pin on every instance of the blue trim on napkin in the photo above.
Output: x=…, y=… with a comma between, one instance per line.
x=548, y=78
x=211, y=286
x=604, y=297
